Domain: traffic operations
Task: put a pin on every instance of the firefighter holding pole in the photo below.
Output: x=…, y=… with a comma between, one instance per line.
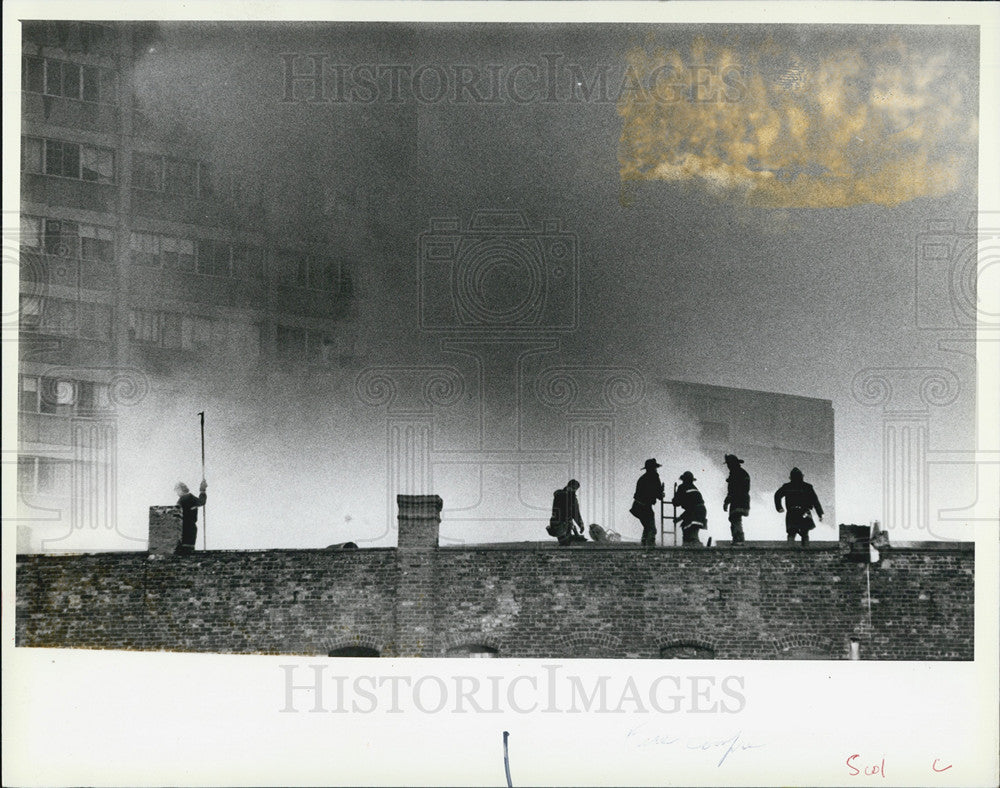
x=189, y=503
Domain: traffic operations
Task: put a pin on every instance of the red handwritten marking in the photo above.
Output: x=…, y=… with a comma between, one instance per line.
x=935, y=768
x=869, y=771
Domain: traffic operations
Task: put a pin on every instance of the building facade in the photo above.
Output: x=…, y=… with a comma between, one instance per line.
x=144, y=262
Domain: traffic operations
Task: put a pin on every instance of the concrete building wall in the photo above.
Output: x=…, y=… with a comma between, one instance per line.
x=771, y=432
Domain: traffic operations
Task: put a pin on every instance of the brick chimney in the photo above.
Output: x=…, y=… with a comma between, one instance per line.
x=164, y=529
x=419, y=520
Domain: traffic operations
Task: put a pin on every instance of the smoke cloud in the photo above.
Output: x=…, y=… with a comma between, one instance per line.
x=777, y=126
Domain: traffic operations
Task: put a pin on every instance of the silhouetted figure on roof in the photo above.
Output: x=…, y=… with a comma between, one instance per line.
x=694, y=517
x=566, y=524
x=737, y=501
x=648, y=490
x=189, y=504
x=799, y=499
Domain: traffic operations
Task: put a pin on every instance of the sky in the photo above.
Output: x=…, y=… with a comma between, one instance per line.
x=747, y=206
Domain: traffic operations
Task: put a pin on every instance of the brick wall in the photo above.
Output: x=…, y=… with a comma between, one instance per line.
x=276, y=601
x=528, y=600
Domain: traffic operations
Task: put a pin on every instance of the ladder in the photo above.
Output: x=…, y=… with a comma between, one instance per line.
x=663, y=521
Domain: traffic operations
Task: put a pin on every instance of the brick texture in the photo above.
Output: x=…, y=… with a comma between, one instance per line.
x=528, y=600
x=164, y=529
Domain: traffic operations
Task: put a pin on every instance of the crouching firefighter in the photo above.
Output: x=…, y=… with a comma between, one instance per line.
x=800, y=499
x=566, y=524
x=694, y=517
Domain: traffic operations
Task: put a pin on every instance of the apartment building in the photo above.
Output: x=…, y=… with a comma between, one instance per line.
x=142, y=260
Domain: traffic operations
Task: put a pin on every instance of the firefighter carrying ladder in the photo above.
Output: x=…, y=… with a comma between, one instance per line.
x=663, y=520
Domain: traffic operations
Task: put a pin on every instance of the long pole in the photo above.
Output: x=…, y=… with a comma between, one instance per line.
x=675, y=513
x=204, y=514
x=506, y=759
x=868, y=578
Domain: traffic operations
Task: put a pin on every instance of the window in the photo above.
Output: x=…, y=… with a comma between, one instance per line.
x=62, y=159
x=177, y=253
x=153, y=251
x=31, y=233
x=32, y=155
x=172, y=330
x=67, y=318
x=319, y=347
x=91, y=398
x=67, y=160
x=27, y=473
x=43, y=475
x=302, y=269
x=97, y=164
x=299, y=343
x=62, y=397
x=354, y=651
x=30, y=314
x=94, y=37
x=210, y=258
x=144, y=249
x=27, y=399
x=68, y=80
x=803, y=652
x=187, y=177
x=214, y=258
x=146, y=326
x=685, y=650
x=59, y=316
x=70, y=36
x=33, y=75
x=476, y=651
x=57, y=396
x=62, y=238
x=97, y=244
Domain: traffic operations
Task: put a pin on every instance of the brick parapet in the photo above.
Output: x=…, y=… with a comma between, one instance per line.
x=763, y=602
